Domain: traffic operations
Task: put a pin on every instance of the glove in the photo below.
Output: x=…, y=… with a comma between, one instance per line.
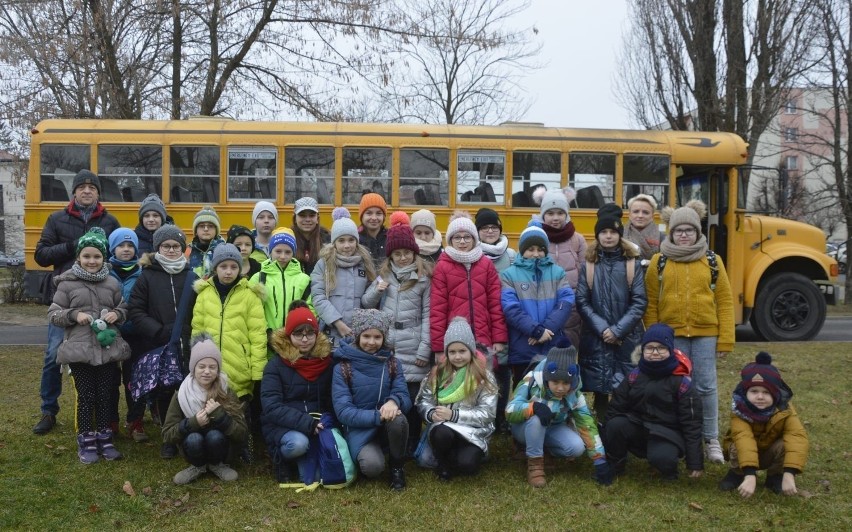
x=543, y=412
x=603, y=474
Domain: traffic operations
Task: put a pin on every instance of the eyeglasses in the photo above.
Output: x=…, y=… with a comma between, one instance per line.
x=688, y=231
x=167, y=247
x=462, y=238
x=310, y=335
x=659, y=349
x=490, y=228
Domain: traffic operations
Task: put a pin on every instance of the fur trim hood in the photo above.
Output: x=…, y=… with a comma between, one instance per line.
x=282, y=345
x=628, y=249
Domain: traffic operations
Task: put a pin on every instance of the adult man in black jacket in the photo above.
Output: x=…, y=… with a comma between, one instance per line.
x=56, y=248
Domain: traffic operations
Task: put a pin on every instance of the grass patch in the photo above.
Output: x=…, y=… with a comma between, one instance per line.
x=23, y=314
x=52, y=490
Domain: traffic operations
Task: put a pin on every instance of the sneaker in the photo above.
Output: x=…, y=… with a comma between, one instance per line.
x=397, y=482
x=713, y=452
x=105, y=446
x=773, y=483
x=87, y=447
x=168, y=451
x=224, y=472
x=137, y=431
x=731, y=481
x=45, y=425
x=189, y=474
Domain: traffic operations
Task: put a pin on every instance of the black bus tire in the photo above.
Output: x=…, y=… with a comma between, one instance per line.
x=789, y=307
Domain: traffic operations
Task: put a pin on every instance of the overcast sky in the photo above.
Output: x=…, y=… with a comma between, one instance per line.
x=580, y=39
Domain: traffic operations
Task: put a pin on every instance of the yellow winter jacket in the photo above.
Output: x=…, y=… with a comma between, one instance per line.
x=752, y=438
x=687, y=304
x=238, y=327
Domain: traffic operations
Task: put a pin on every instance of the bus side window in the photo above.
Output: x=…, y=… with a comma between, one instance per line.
x=252, y=173
x=646, y=174
x=539, y=167
x=366, y=170
x=126, y=168
x=59, y=164
x=309, y=171
x=194, y=174
x=482, y=174
x=423, y=173
x=592, y=170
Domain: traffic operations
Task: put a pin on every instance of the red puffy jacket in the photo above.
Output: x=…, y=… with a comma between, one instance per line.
x=474, y=295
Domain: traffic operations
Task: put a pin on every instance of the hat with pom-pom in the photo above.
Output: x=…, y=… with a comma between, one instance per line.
x=761, y=372
x=371, y=199
x=282, y=235
x=365, y=319
x=207, y=214
x=300, y=314
x=561, y=363
x=94, y=238
x=460, y=222
x=556, y=199
x=343, y=224
x=690, y=214
x=400, y=235
x=153, y=203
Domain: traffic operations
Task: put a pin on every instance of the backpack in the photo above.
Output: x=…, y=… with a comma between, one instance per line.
x=328, y=453
x=711, y=259
x=630, y=266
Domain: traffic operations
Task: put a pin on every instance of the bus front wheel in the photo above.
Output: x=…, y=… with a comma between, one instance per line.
x=789, y=307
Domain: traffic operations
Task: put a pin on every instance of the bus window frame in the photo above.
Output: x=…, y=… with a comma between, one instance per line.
x=334, y=172
x=215, y=189
x=483, y=179
x=443, y=184
x=529, y=190
x=386, y=181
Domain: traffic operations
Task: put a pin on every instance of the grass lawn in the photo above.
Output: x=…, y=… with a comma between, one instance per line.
x=45, y=487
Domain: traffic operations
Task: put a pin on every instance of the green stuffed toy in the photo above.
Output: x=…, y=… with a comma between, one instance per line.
x=106, y=335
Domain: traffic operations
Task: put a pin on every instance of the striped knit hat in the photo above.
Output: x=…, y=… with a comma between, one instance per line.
x=533, y=236
x=94, y=238
x=282, y=235
x=207, y=214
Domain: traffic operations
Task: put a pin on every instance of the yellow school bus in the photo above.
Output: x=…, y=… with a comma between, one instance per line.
x=780, y=275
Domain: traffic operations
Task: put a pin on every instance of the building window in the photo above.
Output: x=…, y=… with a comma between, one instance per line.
x=792, y=162
x=790, y=106
x=791, y=134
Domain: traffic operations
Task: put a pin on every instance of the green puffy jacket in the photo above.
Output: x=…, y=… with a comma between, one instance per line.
x=281, y=289
x=238, y=327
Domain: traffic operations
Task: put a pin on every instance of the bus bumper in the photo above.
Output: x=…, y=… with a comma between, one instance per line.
x=832, y=292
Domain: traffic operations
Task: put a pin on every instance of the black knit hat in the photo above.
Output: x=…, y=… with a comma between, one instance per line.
x=84, y=177
x=561, y=364
x=609, y=222
x=486, y=216
x=239, y=230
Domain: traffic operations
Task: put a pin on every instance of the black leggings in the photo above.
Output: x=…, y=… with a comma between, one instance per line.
x=94, y=386
x=453, y=451
x=201, y=448
x=415, y=422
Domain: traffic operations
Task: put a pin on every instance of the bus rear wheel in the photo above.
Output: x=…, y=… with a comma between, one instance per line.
x=789, y=307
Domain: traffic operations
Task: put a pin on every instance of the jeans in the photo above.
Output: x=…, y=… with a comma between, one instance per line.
x=371, y=458
x=701, y=350
x=51, y=373
x=560, y=440
x=294, y=445
x=201, y=448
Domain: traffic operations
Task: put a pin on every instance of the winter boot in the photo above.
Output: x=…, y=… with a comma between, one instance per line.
x=773, y=482
x=397, y=480
x=731, y=481
x=87, y=447
x=223, y=471
x=105, y=446
x=535, y=472
x=45, y=424
x=619, y=467
x=189, y=474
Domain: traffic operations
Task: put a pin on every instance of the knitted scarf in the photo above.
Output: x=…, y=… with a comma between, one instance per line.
x=464, y=257
x=557, y=236
x=171, y=266
x=347, y=262
x=648, y=239
x=309, y=368
x=495, y=251
x=431, y=247
x=744, y=409
x=658, y=368
x=123, y=264
x=85, y=212
x=403, y=274
x=689, y=253
x=192, y=397
x=84, y=275
x=454, y=392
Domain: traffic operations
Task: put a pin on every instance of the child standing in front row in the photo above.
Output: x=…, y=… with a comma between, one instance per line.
x=766, y=433
x=341, y=276
x=459, y=400
x=370, y=397
x=546, y=401
x=84, y=293
x=402, y=291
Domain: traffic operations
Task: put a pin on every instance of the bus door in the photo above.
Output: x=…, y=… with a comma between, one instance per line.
x=710, y=185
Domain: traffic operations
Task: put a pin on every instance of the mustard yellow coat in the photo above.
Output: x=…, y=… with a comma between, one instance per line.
x=752, y=438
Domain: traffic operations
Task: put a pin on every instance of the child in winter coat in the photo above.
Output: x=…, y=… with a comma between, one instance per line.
x=567, y=246
x=536, y=300
x=545, y=404
x=402, y=291
x=204, y=418
x=611, y=298
x=205, y=227
x=426, y=235
x=655, y=412
x=370, y=397
x=341, y=277
x=372, y=233
x=465, y=283
x=494, y=244
x=296, y=384
x=459, y=400
x=283, y=280
x=124, y=262
x=152, y=216
x=243, y=238
x=83, y=294
x=310, y=235
x=765, y=433
x=264, y=217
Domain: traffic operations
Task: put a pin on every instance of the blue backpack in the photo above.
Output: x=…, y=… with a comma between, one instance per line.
x=329, y=455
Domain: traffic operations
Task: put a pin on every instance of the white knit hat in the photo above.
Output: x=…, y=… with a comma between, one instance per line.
x=425, y=218
x=555, y=199
x=343, y=224
x=461, y=223
x=261, y=206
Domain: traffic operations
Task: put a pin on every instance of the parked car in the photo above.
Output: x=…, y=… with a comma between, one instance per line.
x=840, y=257
x=16, y=259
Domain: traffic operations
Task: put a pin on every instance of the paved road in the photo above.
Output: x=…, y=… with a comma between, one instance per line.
x=836, y=329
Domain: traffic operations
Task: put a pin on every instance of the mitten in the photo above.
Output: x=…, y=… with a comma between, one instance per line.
x=543, y=412
x=603, y=474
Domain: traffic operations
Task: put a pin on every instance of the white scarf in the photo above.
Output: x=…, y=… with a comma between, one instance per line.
x=464, y=257
x=193, y=397
x=431, y=247
x=171, y=266
x=495, y=251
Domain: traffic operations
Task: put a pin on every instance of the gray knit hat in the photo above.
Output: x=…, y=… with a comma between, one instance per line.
x=203, y=347
x=261, y=206
x=555, y=199
x=459, y=331
x=343, y=224
x=690, y=214
x=363, y=319
x=84, y=177
x=225, y=252
x=207, y=214
x=305, y=204
x=169, y=232
x=153, y=203
x=561, y=364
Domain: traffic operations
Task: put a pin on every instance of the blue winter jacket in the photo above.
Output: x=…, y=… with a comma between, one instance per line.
x=357, y=402
x=535, y=296
x=127, y=283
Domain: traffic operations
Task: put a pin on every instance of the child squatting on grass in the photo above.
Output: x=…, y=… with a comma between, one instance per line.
x=204, y=418
x=765, y=432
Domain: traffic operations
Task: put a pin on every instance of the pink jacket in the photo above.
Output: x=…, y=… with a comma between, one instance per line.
x=474, y=295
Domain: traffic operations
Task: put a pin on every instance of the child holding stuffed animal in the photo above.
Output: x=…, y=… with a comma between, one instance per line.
x=88, y=304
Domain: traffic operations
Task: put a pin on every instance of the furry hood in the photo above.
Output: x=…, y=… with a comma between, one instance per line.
x=628, y=249
x=282, y=345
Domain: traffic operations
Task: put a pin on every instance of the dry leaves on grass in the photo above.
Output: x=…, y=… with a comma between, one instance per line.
x=695, y=506
x=128, y=488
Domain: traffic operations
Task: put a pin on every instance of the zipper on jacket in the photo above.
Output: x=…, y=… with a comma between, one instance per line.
x=470, y=301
